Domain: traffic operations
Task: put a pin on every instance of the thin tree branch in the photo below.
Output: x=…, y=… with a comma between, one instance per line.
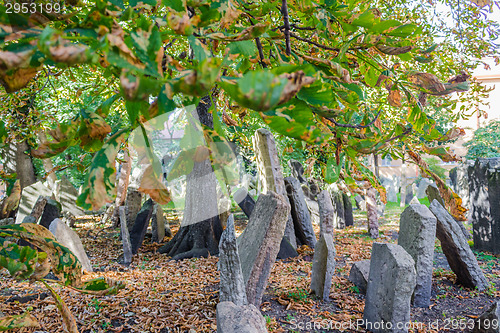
x=358, y=125
x=284, y=11
x=261, y=52
x=313, y=43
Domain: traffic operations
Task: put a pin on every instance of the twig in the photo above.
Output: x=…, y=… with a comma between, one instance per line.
x=284, y=11
x=358, y=125
x=261, y=52
x=321, y=46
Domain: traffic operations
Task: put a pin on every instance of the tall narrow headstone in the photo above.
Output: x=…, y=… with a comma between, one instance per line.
x=459, y=177
x=132, y=206
x=323, y=266
x=127, y=247
x=484, y=187
x=157, y=224
x=51, y=211
x=326, y=212
x=297, y=170
x=304, y=232
x=371, y=212
x=259, y=243
x=456, y=249
x=359, y=274
x=348, y=216
x=390, y=285
x=232, y=284
x=338, y=207
x=270, y=173
x=141, y=225
x=417, y=232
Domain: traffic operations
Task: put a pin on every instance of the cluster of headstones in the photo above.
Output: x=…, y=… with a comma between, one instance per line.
x=279, y=221
x=398, y=275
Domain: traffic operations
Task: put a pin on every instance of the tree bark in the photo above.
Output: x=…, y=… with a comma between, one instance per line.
x=24, y=165
x=198, y=237
x=121, y=188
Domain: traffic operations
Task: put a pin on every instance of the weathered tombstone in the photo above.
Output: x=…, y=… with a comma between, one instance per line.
x=132, y=206
x=414, y=201
x=409, y=193
x=326, y=213
x=270, y=173
x=456, y=249
x=39, y=207
x=390, y=285
x=232, y=318
x=67, y=197
x=323, y=266
x=484, y=187
x=157, y=224
x=304, y=232
x=7, y=221
x=348, y=216
x=314, y=188
x=459, y=178
x=359, y=274
x=247, y=205
x=312, y=205
x=51, y=211
x=371, y=212
x=391, y=189
x=29, y=219
x=489, y=322
x=259, y=243
x=127, y=248
x=417, y=233
x=232, y=284
x=338, y=207
x=70, y=239
x=360, y=202
x=141, y=225
x=422, y=187
x=297, y=170
x=29, y=197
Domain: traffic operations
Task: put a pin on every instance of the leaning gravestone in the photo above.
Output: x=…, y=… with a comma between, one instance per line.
x=323, y=266
x=297, y=170
x=390, y=286
x=132, y=206
x=304, y=232
x=127, y=248
x=232, y=284
x=39, y=207
x=422, y=187
x=484, y=187
x=338, y=206
x=157, y=224
x=141, y=225
x=417, y=232
x=232, y=318
x=51, y=211
x=326, y=213
x=489, y=322
x=29, y=196
x=359, y=274
x=456, y=249
x=270, y=173
x=259, y=243
x=67, y=197
x=348, y=216
x=71, y=240
x=360, y=202
x=459, y=178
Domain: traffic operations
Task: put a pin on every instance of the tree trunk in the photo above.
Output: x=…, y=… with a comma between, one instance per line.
x=121, y=188
x=24, y=165
x=199, y=236
x=375, y=165
x=371, y=212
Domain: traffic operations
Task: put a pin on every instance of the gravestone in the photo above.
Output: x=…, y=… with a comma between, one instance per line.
x=51, y=211
x=232, y=318
x=360, y=202
x=132, y=206
x=70, y=239
x=67, y=197
x=417, y=233
x=484, y=188
x=326, y=213
x=459, y=177
x=359, y=274
x=338, y=206
x=247, y=205
x=323, y=266
x=391, y=188
x=304, y=232
x=456, y=249
x=270, y=173
x=259, y=243
x=127, y=248
x=489, y=322
x=232, y=284
x=371, y=212
x=390, y=285
x=409, y=194
x=39, y=207
x=348, y=216
x=312, y=206
x=7, y=221
x=157, y=224
x=29, y=196
x=422, y=187
x=141, y=225
x=432, y=192
x=297, y=170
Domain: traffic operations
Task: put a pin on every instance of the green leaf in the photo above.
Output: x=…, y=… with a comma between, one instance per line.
x=246, y=48
x=199, y=51
x=18, y=321
x=404, y=30
x=333, y=169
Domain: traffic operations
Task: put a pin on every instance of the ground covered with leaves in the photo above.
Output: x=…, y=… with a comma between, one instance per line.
x=161, y=295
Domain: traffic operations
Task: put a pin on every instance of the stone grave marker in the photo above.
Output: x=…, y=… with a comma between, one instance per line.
x=390, y=286
x=29, y=197
x=304, y=232
x=132, y=206
x=348, y=216
x=232, y=318
x=157, y=224
x=484, y=187
x=297, y=170
x=422, y=187
x=323, y=266
x=360, y=202
x=259, y=243
x=326, y=212
x=456, y=249
x=51, y=211
x=459, y=177
x=417, y=233
x=67, y=197
x=127, y=247
x=270, y=173
x=141, y=225
x=359, y=274
x=70, y=239
x=232, y=284
x=489, y=322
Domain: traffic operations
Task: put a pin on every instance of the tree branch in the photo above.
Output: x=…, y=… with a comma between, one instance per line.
x=313, y=43
x=261, y=52
x=358, y=126
x=284, y=11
